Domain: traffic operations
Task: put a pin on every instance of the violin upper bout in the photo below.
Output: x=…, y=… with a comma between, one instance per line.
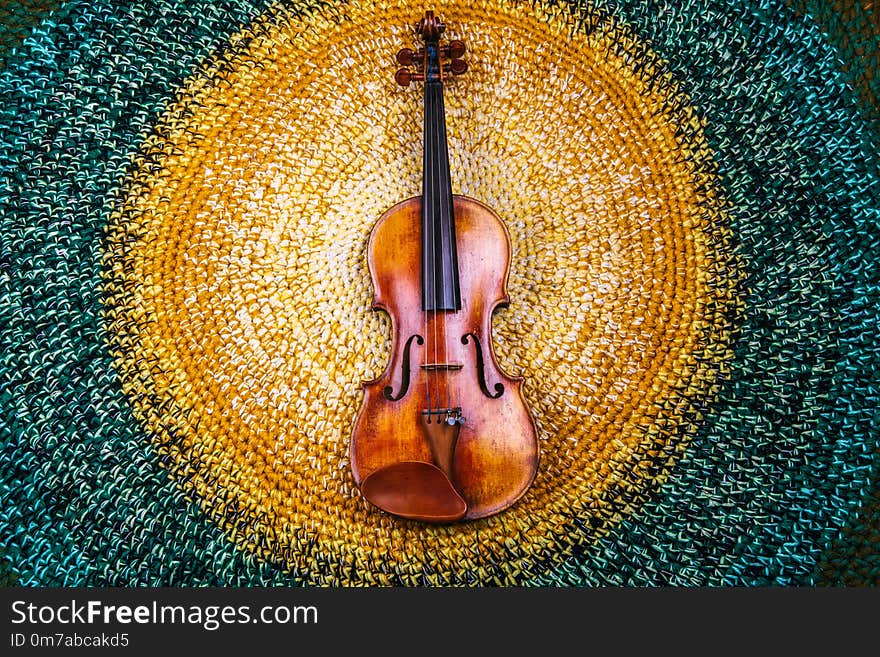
x=394, y=258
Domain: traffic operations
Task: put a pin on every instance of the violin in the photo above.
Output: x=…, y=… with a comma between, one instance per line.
x=443, y=434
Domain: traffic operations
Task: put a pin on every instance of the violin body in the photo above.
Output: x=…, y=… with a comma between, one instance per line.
x=495, y=456
x=443, y=434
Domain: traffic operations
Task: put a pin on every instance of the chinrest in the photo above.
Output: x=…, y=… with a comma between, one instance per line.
x=414, y=490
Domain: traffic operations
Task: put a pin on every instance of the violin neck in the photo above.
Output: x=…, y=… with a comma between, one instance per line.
x=440, y=284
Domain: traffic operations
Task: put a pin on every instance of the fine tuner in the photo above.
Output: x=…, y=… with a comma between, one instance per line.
x=430, y=29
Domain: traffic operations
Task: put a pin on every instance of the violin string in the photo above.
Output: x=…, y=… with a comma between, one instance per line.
x=427, y=263
x=436, y=229
x=453, y=264
x=433, y=179
x=446, y=256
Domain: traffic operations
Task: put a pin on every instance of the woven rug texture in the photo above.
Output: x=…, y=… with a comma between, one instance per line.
x=692, y=193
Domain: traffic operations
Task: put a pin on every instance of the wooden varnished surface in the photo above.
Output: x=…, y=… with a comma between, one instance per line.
x=496, y=455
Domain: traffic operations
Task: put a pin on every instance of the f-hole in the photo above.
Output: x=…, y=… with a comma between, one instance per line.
x=481, y=369
x=388, y=391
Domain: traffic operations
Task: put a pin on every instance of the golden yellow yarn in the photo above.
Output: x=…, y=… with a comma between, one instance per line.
x=243, y=326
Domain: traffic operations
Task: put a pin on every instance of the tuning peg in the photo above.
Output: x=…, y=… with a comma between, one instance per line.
x=406, y=57
x=453, y=50
x=404, y=76
x=458, y=66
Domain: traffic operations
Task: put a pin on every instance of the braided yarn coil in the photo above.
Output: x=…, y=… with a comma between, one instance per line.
x=692, y=196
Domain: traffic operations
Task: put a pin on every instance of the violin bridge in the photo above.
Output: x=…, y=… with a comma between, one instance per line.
x=436, y=367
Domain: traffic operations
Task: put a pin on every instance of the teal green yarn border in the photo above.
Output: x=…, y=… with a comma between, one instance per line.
x=85, y=500
x=18, y=19
x=854, y=32
x=756, y=500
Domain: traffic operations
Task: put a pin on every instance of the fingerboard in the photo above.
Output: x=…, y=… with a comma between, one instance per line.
x=440, y=283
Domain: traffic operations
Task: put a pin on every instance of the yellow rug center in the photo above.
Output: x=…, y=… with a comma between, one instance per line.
x=238, y=296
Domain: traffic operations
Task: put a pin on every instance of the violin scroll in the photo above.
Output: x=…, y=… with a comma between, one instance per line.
x=430, y=27
x=415, y=63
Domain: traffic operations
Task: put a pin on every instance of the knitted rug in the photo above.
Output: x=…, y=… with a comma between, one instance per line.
x=692, y=195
